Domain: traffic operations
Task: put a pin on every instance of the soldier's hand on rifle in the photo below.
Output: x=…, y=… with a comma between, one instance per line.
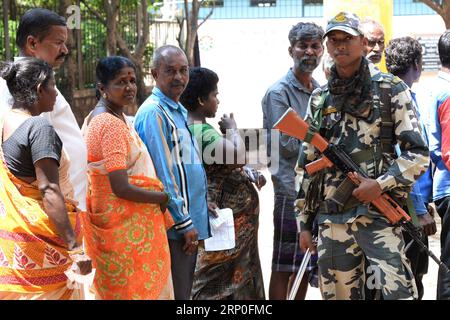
x=306, y=242
x=428, y=224
x=368, y=190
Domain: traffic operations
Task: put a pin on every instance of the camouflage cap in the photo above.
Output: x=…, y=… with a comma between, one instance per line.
x=344, y=21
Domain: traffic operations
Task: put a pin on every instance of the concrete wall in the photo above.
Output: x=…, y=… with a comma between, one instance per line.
x=251, y=54
x=241, y=9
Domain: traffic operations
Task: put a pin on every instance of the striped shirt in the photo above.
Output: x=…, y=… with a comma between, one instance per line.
x=286, y=93
x=161, y=124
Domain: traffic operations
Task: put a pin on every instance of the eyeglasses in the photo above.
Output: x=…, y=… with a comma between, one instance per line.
x=373, y=43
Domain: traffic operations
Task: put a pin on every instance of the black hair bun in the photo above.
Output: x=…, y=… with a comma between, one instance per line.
x=8, y=71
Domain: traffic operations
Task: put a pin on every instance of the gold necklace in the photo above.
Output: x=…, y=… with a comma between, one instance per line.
x=105, y=105
x=113, y=112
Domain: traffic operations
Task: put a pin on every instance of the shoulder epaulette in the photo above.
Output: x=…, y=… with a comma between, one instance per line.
x=391, y=79
x=396, y=80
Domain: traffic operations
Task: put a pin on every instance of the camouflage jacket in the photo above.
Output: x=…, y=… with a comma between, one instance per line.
x=394, y=174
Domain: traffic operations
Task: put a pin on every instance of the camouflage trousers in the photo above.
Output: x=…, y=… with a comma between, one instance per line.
x=342, y=271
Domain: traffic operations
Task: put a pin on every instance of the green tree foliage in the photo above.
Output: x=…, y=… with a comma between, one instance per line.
x=126, y=24
x=94, y=36
x=189, y=25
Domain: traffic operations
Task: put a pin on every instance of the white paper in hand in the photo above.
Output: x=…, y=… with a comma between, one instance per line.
x=222, y=229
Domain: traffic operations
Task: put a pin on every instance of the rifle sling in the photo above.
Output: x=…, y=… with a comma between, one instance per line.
x=387, y=136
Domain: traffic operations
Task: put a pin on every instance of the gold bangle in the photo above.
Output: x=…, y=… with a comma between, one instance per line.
x=78, y=250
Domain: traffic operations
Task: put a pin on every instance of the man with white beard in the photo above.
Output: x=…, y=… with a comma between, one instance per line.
x=374, y=33
x=291, y=91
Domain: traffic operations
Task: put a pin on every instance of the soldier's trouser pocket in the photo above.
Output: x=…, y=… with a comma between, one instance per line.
x=342, y=271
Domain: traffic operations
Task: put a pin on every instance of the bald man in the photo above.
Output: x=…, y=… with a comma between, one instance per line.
x=161, y=124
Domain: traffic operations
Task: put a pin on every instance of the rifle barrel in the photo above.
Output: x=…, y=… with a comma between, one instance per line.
x=411, y=229
x=299, y=276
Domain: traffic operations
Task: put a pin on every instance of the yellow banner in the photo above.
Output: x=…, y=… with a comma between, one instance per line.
x=378, y=10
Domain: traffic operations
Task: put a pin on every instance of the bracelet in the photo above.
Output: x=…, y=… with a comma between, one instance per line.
x=78, y=255
x=77, y=250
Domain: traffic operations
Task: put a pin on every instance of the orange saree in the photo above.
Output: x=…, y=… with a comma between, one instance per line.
x=126, y=240
x=33, y=257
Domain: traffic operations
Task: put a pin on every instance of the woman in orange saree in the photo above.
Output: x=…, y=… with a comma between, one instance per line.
x=39, y=229
x=126, y=220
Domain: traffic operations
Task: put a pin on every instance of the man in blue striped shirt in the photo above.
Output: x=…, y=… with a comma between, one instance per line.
x=161, y=124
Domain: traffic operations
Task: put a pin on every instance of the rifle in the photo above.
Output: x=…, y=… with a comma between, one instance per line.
x=301, y=271
x=291, y=124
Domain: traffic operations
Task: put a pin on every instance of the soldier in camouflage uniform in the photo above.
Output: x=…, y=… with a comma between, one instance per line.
x=348, y=111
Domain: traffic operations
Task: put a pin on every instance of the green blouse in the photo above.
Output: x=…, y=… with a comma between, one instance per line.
x=205, y=135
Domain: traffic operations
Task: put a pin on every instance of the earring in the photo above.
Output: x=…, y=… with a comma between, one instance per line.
x=200, y=102
x=105, y=96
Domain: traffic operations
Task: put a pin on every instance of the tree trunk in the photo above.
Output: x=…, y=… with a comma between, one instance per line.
x=143, y=40
x=446, y=13
x=141, y=94
x=441, y=9
x=7, y=40
x=115, y=40
x=191, y=15
x=80, y=63
x=138, y=56
x=112, y=12
x=191, y=18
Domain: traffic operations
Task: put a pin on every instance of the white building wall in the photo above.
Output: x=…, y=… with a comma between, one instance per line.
x=250, y=55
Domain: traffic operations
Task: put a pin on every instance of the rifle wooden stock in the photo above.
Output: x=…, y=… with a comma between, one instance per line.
x=291, y=124
x=318, y=165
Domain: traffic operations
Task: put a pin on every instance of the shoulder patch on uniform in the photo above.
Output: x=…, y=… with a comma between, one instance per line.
x=396, y=80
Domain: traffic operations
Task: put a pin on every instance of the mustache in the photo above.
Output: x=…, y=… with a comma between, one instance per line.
x=312, y=59
x=372, y=53
x=177, y=83
x=307, y=64
x=62, y=55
